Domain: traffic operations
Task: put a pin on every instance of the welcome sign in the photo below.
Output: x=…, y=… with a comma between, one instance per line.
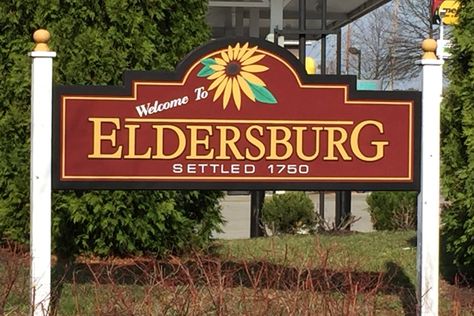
x=236, y=114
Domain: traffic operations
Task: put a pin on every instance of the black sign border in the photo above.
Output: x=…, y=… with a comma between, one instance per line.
x=178, y=74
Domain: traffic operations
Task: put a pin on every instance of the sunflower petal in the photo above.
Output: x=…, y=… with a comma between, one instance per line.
x=245, y=88
x=236, y=50
x=249, y=53
x=230, y=52
x=242, y=51
x=225, y=57
x=220, y=88
x=252, y=68
x=252, y=78
x=227, y=92
x=252, y=60
x=217, y=67
x=216, y=75
x=220, y=61
x=236, y=92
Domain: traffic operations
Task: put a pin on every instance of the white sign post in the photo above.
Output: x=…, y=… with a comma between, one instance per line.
x=428, y=199
x=40, y=174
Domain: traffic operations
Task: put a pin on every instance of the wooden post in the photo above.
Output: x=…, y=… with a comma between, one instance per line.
x=40, y=173
x=428, y=199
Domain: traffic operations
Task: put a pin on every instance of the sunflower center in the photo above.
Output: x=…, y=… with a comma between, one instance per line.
x=233, y=68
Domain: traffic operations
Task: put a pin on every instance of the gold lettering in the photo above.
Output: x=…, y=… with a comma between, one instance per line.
x=229, y=143
x=132, y=144
x=160, y=154
x=379, y=145
x=275, y=141
x=255, y=142
x=195, y=141
x=300, y=145
x=98, y=138
x=336, y=144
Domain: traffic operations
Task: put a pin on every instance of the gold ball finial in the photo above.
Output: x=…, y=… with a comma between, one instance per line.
x=429, y=49
x=41, y=38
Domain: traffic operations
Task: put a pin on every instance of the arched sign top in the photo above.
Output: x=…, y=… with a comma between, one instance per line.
x=258, y=59
x=242, y=50
x=236, y=114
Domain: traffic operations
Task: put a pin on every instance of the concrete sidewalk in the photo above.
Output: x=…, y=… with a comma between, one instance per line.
x=236, y=211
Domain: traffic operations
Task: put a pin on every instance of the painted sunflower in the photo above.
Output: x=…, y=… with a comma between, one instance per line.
x=235, y=72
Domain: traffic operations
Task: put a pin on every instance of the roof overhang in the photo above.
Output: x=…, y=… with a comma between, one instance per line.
x=261, y=17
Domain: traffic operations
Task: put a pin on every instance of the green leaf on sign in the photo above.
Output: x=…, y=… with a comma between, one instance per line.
x=205, y=71
x=262, y=94
x=208, y=61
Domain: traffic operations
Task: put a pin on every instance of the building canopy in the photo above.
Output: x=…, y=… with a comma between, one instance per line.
x=258, y=18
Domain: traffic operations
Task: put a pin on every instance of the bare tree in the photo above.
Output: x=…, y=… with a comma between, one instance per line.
x=389, y=39
x=414, y=25
x=370, y=36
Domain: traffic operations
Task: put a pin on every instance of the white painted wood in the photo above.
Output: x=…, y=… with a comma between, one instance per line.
x=428, y=199
x=40, y=181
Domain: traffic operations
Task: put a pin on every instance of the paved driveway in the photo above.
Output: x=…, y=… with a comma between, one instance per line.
x=236, y=211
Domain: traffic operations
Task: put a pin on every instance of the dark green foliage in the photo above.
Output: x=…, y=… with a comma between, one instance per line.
x=288, y=213
x=458, y=144
x=393, y=210
x=96, y=41
x=201, y=207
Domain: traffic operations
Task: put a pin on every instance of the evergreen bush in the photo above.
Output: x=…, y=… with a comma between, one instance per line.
x=393, y=210
x=96, y=41
x=457, y=150
x=289, y=213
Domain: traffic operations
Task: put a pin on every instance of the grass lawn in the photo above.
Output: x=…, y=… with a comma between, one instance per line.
x=364, y=251
x=347, y=274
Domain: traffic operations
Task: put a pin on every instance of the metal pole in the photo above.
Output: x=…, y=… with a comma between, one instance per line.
x=343, y=198
x=302, y=25
x=324, y=9
x=40, y=174
x=276, y=19
x=323, y=72
x=358, y=64
x=428, y=199
x=343, y=207
x=254, y=28
x=321, y=204
x=256, y=204
x=338, y=211
x=339, y=52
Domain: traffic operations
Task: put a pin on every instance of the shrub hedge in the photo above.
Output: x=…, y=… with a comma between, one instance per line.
x=289, y=213
x=457, y=148
x=393, y=210
x=96, y=41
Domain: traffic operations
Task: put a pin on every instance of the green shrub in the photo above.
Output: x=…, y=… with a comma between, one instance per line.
x=288, y=213
x=393, y=210
x=457, y=145
x=96, y=41
x=123, y=223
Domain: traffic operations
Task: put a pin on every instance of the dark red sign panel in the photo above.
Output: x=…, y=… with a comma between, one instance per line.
x=237, y=114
